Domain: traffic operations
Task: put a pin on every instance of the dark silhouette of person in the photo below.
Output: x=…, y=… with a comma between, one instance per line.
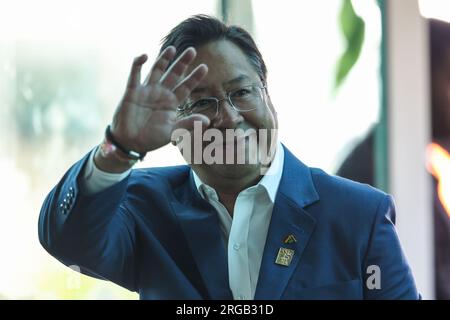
x=440, y=98
x=359, y=165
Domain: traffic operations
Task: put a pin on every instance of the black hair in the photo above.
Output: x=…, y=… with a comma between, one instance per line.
x=202, y=29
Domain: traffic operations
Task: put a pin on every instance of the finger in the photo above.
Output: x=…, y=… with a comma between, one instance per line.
x=135, y=74
x=157, y=98
x=160, y=65
x=184, y=88
x=188, y=122
x=172, y=75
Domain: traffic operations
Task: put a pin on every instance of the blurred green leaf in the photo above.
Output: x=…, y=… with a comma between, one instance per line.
x=353, y=28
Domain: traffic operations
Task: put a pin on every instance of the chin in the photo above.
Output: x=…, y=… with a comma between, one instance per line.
x=234, y=171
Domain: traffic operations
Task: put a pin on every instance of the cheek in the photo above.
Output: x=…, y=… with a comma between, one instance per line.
x=261, y=119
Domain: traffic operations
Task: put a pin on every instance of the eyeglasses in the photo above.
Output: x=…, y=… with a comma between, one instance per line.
x=244, y=99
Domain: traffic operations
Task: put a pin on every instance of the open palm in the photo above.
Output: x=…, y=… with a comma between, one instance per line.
x=146, y=115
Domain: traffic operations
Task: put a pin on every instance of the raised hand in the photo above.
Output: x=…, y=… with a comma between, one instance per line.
x=146, y=115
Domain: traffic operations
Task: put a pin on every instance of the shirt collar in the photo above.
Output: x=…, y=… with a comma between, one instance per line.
x=270, y=181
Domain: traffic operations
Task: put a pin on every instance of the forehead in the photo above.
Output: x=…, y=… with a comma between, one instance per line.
x=225, y=61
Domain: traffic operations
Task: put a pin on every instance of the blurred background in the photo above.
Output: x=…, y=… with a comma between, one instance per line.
x=362, y=90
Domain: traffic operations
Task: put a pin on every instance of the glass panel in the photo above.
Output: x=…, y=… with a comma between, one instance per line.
x=301, y=42
x=63, y=70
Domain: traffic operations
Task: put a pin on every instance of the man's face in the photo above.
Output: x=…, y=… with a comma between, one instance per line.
x=229, y=70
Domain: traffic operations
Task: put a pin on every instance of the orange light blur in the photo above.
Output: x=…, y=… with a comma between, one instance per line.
x=438, y=164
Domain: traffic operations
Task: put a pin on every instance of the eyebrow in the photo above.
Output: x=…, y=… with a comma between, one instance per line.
x=238, y=79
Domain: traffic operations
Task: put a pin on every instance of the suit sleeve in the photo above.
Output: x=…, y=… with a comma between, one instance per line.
x=93, y=232
x=385, y=257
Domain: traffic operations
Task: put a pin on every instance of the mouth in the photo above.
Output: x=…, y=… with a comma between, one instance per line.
x=234, y=141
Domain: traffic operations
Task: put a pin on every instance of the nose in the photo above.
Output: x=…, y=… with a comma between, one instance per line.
x=228, y=117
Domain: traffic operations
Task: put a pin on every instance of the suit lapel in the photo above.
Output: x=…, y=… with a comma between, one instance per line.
x=200, y=226
x=287, y=219
x=296, y=191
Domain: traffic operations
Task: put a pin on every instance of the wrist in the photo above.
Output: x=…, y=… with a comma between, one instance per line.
x=109, y=159
x=122, y=150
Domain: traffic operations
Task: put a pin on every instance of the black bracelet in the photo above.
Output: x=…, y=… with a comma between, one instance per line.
x=133, y=155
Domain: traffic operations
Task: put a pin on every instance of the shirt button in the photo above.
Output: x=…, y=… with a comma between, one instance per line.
x=236, y=246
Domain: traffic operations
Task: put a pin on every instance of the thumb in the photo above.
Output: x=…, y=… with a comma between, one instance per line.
x=188, y=122
x=185, y=125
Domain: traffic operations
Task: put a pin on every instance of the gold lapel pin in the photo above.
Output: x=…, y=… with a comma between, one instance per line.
x=290, y=239
x=284, y=256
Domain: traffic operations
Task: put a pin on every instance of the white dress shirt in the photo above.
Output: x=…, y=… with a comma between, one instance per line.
x=244, y=234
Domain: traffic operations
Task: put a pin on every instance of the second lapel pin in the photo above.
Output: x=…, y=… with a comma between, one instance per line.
x=284, y=256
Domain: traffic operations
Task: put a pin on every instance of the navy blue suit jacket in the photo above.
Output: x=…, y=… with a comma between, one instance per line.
x=154, y=234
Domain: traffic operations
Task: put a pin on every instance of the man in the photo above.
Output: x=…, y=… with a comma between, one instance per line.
x=266, y=229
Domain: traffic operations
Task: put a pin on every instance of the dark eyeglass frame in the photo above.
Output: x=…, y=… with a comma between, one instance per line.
x=186, y=109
